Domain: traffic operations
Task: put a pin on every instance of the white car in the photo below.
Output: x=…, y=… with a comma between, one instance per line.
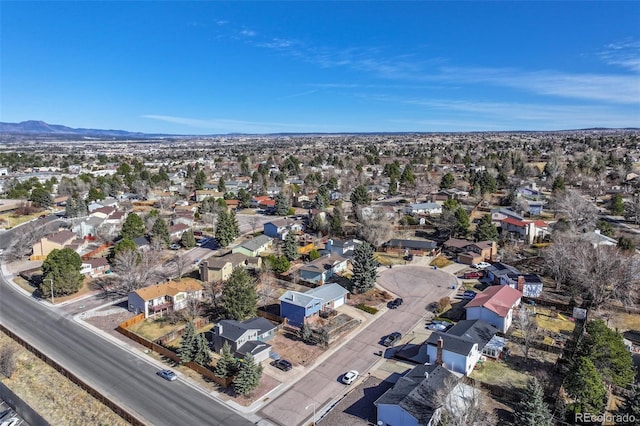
x=481, y=265
x=350, y=377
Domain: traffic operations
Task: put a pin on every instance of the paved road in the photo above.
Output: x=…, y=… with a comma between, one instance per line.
x=419, y=286
x=111, y=369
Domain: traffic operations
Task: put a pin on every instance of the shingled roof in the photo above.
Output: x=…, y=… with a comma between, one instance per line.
x=499, y=299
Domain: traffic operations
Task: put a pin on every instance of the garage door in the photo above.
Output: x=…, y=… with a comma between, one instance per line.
x=338, y=302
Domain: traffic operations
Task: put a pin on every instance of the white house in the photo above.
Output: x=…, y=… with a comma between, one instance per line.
x=495, y=305
x=164, y=298
x=423, y=208
x=462, y=345
x=529, y=284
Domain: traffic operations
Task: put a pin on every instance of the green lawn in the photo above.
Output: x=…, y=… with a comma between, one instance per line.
x=499, y=373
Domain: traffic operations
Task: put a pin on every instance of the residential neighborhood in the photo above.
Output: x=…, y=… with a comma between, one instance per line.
x=412, y=272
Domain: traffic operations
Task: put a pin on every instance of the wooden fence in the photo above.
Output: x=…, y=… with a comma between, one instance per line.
x=128, y=323
x=159, y=349
x=93, y=252
x=115, y=407
x=269, y=316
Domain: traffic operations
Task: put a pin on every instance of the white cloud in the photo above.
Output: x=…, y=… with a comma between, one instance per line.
x=625, y=53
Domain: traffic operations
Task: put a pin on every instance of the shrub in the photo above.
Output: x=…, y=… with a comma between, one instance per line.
x=367, y=309
x=443, y=304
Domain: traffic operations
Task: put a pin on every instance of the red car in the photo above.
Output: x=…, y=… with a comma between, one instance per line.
x=474, y=274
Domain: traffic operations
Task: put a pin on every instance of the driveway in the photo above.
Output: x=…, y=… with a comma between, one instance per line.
x=419, y=287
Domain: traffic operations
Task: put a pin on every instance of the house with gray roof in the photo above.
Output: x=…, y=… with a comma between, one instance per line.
x=462, y=344
x=245, y=337
x=423, y=208
x=420, y=396
x=320, y=270
x=255, y=246
x=297, y=307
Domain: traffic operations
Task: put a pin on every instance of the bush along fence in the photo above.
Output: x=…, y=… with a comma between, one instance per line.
x=115, y=407
x=207, y=372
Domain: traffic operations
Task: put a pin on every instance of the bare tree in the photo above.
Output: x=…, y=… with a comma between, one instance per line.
x=180, y=263
x=558, y=259
x=375, y=229
x=165, y=203
x=463, y=405
x=193, y=308
x=133, y=270
x=254, y=223
x=632, y=209
x=580, y=213
x=267, y=288
x=22, y=242
x=527, y=331
x=214, y=293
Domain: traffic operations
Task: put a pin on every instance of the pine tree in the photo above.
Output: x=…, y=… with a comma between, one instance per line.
x=239, y=296
x=532, y=410
x=200, y=180
x=222, y=187
x=364, y=268
x=306, y=333
x=584, y=384
x=160, y=231
x=227, y=364
x=188, y=240
x=70, y=210
x=133, y=227
x=360, y=197
x=282, y=205
x=290, y=249
x=61, y=269
x=631, y=406
x=201, y=350
x=187, y=344
x=461, y=227
x=486, y=230
x=226, y=230
x=248, y=377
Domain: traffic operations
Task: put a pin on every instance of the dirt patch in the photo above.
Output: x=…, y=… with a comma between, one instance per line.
x=52, y=395
x=292, y=349
x=373, y=297
x=267, y=384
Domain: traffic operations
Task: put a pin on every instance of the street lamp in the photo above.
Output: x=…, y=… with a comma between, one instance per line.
x=314, y=412
x=51, y=281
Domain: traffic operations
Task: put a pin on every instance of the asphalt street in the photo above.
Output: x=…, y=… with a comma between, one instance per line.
x=114, y=371
x=419, y=286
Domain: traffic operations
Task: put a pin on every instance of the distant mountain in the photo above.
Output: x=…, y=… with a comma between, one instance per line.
x=33, y=127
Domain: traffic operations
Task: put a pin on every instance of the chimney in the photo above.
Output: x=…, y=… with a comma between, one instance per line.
x=204, y=271
x=521, y=283
x=439, y=353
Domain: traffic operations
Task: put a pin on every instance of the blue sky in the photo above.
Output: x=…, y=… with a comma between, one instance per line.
x=265, y=67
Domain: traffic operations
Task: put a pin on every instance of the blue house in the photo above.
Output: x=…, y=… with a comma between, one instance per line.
x=296, y=307
x=535, y=208
x=279, y=228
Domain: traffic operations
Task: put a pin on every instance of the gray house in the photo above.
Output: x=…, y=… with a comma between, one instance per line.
x=246, y=337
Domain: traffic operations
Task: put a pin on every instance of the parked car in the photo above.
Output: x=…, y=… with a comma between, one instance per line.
x=481, y=265
x=167, y=375
x=469, y=294
x=283, y=364
x=391, y=339
x=474, y=274
x=395, y=303
x=437, y=326
x=175, y=246
x=13, y=421
x=409, y=257
x=350, y=377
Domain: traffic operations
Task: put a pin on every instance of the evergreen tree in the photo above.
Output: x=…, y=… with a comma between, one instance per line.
x=306, y=333
x=200, y=180
x=360, y=197
x=461, y=227
x=94, y=194
x=123, y=245
x=393, y=186
x=407, y=177
x=278, y=264
x=248, y=377
x=450, y=204
x=222, y=187
x=532, y=410
x=486, y=230
x=282, y=205
x=61, y=269
x=239, y=296
x=447, y=181
x=188, y=240
x=318, y=202
x=160, y=231
x=558, y=184
x=290, y=248
x=227, y=364
x=626, y=244
x=364, y=268
x=41, y=197
x=71, y=210
x=314, y=254
x=186, y=351
x=617, y=205
x=335, y=224
x=201, y=350
x=133, y=227
x=605, y=348
x=584, y=384
x=226, y=228
x=631, y=406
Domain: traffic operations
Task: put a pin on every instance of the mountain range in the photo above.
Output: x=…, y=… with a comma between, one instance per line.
x=33, y=127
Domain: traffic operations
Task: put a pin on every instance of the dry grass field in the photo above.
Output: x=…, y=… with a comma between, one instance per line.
x=52, y=395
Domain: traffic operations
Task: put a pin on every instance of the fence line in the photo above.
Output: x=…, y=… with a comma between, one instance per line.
x=116, y=408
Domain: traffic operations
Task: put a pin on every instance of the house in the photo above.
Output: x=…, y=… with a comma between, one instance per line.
x=116, y=218
x=343, y=248
x=297, y=307
x=423, y=209
x=461, y=346
x=534, y=208
x=279, y=228
x=469, y=252
x=262, y=202
x=164, y=298
x=246, y=337
x=597, y=239
x=501, y=213
x=530, y=285
x=417, y=247
x=495, y=272
x=176, y=231
x=103, y=212
x=59, y=240
x=142, y=243
x=95, y=267
x=203, y=194
x=88, y=227
x=255, y=246
x=220, y=268
x=418, y=397
x=495, y=305
x=320, y=270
